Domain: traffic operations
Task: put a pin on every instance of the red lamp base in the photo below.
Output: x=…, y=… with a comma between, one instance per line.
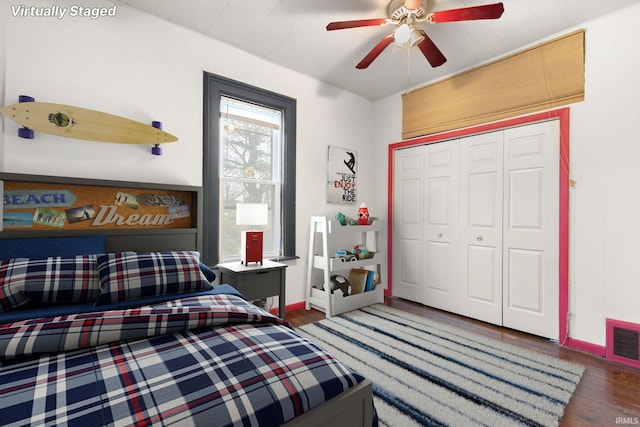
x=251, y=247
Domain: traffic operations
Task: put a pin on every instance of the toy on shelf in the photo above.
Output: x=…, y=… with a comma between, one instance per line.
x=345, y=220
x=346, y=256
x=363, y=215
x=361, y=252
x=340, y=283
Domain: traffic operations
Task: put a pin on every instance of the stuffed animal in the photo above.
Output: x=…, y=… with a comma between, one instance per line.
x=361, y=252
x=345, y=220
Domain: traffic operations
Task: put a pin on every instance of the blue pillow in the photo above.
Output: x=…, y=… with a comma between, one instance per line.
x=207, y=271
x=43, y=247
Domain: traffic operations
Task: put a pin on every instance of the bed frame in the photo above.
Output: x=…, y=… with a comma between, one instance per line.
x=352, y=408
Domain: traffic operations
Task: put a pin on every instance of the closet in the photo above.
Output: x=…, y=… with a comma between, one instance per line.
x=476, y=226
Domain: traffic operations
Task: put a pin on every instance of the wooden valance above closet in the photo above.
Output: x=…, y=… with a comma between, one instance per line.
x=546, y=76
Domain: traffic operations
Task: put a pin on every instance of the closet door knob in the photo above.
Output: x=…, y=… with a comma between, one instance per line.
x=440, y=234
x=479, y=238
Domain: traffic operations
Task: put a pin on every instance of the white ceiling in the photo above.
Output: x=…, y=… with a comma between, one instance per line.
x=292, y=33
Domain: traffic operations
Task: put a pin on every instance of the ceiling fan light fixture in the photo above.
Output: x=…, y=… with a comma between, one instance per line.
x=402, y=35
x=407, y=36
x=416, y=37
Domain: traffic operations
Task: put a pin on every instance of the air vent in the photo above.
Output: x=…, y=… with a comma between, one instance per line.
x=623, y=342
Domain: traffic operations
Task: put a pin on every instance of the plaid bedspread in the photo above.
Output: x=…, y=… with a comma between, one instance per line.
x=214, y=360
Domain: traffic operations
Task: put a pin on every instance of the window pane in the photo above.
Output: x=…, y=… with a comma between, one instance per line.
x=247, y=150
x=242, y=192
x=250, y=136
x=250, y=165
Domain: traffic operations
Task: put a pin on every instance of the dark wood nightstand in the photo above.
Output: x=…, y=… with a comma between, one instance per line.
x=256, y=281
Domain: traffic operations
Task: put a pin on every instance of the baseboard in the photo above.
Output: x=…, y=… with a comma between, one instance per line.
x=289, y=307
x=598, y=350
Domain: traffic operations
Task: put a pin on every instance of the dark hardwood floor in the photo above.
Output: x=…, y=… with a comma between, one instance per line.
x=608, y=393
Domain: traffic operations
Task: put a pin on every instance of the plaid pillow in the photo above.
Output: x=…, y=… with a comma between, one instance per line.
x=50, y=280
x=129, y=275
x=12, y=278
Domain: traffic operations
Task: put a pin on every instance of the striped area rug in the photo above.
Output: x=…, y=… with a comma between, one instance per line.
x=428, y=373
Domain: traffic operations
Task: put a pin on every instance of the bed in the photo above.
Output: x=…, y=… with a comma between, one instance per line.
x=96, y=334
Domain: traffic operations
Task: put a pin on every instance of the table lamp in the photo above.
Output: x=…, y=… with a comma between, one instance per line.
x=251, y=214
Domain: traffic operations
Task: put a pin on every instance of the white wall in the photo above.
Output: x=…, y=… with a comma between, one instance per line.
x=605, y=165
x=140, y=67
x=3, y=34
x=605, y=155
x=143, y=68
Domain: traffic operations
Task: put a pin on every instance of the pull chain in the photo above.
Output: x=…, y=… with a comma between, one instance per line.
x=408, y=67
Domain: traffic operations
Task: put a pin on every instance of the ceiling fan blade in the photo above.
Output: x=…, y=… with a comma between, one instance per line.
x=342, y=25
x=431, y=51
x=412, y=4
x=377, y=50
x=488, y=11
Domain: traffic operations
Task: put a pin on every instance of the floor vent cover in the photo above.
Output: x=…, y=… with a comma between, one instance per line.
x=623, y=342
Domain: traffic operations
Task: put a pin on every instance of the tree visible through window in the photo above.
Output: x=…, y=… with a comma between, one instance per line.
x=249, y=157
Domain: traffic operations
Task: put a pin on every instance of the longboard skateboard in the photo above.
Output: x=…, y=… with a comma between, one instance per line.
x=82, y=123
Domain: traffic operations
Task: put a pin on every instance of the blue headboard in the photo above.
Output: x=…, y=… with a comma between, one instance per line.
x=44, y=247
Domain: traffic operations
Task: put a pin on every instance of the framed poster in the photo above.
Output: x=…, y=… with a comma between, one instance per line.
x=342, y=171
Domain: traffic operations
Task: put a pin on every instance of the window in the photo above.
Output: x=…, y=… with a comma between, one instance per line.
x=250, y=171
x=249, y=157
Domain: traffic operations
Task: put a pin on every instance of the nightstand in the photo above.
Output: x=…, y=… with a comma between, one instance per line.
x=256, y=281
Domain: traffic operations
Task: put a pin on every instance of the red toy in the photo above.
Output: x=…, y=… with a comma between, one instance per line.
x=251, y=247
x=363, y=215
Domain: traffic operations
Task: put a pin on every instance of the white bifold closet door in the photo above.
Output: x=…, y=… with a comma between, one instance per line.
x=425, y=212
x=531, y=229
x=480, y=255
x=476, y=227
x=440, y=238
x=408, y=220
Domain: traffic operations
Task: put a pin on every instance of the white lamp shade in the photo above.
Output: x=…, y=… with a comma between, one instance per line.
x=252, y=214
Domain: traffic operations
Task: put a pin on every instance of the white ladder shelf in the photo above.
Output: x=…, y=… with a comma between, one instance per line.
x=321, y=297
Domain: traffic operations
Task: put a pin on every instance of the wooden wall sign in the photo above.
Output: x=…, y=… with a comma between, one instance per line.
x=48, y=206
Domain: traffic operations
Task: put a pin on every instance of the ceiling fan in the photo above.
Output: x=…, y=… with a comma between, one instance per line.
x=405, y=14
